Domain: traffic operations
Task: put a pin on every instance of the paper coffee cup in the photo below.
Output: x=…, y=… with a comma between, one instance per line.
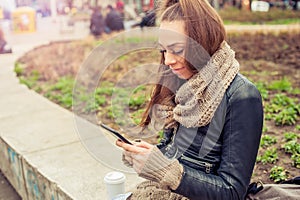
x=115, y=184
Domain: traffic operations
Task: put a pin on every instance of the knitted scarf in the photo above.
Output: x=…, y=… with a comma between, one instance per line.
x=198, y=98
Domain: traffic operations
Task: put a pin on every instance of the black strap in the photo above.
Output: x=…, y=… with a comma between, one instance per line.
x=295, y=180
x=255, y=187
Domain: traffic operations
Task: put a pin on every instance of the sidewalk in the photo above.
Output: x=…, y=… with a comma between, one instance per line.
x=41, y=153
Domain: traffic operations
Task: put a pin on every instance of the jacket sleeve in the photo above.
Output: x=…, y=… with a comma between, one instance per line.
x=241, y=137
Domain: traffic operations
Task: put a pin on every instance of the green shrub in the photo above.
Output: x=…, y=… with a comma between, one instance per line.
x=267, y=140
x=93, y=104
x=104, y=90
x=283, y=109
x=269, y=156
x=18, y=69
x=61, y=92
x=296, y=160
x=263, y=90
x=136, y=102
x=292, y=147
x=295, y=91
x=137, y=116
x=289, y=136
x=281, y=85
x=278, y=174
x=265, y=128
x=31, y=81
x=287, y=116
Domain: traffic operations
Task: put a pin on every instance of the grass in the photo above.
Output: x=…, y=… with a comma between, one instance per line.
x=233, y=15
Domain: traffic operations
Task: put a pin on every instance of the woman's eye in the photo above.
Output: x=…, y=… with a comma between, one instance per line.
x=177, y=52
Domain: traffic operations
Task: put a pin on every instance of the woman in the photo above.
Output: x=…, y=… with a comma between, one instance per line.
x=212, y=114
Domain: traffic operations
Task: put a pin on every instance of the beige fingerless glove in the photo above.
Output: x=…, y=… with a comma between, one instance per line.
x=163, y=170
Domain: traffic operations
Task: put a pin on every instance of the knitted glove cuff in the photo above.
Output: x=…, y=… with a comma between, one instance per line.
x=163, y=170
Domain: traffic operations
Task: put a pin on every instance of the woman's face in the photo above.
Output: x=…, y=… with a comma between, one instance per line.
x=172, y=41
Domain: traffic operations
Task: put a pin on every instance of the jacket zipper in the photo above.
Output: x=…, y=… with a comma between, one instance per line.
x=207, y=166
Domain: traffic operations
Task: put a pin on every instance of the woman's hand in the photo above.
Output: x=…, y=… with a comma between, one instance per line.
x=136, y=154
x=149, y=162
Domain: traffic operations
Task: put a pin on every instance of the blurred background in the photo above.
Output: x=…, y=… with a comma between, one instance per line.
x=21, y=15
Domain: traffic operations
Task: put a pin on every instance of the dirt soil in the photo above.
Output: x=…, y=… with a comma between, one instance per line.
x=270, y=56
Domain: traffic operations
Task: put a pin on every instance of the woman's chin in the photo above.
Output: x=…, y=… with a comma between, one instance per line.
x=182, y=76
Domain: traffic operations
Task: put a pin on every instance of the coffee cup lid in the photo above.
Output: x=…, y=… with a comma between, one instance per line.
x=114, y=177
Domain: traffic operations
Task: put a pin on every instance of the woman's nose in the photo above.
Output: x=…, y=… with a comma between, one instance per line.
x=169, y=58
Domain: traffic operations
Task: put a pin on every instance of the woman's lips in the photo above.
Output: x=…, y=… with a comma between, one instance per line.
x=176, y=71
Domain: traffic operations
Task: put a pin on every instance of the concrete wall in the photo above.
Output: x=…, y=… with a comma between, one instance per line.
x=12, y=166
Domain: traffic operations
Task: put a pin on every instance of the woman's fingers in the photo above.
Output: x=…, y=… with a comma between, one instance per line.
x=129, y=147
x=138, y=147
x=144, y=144
x=119, y=143
x=136, y=154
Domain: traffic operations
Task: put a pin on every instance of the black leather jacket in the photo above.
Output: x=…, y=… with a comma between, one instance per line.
x=218, y=159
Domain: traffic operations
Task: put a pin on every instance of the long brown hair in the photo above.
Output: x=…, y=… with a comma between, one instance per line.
x=202, y=24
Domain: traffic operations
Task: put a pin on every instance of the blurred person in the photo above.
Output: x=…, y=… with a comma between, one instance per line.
x=286, y=4
x=97, y=23
x=120, y=7
x=149, y=20
x=211, y=115
x=295, y=4
x=113, y=20
x=4, y=47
